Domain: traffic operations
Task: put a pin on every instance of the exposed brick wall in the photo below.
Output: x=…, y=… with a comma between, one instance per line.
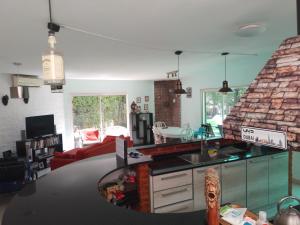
x=142, y=174
x=272, y=101
x=165, y=108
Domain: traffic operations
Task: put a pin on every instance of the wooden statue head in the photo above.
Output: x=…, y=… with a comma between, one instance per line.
x=212, y=188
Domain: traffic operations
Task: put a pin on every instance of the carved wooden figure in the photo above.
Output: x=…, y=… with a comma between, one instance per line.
x=212, y=196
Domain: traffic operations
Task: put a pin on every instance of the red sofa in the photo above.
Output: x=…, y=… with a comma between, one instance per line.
x=107, y=146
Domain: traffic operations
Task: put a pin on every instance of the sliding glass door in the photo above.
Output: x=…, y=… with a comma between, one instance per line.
x=95, y=117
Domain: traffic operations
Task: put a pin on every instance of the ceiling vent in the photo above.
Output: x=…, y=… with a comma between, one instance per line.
x=26, y=80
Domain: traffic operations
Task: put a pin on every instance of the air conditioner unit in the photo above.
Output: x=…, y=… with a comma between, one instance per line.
x=26, y=80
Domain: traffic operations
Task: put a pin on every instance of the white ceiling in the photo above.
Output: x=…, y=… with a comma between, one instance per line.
x=197, y=25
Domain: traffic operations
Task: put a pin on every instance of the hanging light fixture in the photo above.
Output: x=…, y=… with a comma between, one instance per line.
x=225, y=88
x=178, y=89
x=52, y=60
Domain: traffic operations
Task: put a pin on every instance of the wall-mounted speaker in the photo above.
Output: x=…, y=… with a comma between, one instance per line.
x=5, y=100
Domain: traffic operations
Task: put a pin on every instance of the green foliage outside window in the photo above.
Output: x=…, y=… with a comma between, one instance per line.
x=99, y=111
x=86, y=111
x=217, y=105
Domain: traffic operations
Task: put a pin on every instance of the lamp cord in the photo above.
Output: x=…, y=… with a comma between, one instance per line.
x=140, y=45
x=225, y=68
x=178, y=66
x=50, y=11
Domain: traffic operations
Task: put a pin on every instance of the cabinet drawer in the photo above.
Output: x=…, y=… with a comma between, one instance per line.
x=173, y=195
x=171, y=180
x=186, y=206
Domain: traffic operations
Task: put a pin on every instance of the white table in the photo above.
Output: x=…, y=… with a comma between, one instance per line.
x=171, y=132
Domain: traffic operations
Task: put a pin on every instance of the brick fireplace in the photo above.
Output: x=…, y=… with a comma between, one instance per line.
x=272, y=100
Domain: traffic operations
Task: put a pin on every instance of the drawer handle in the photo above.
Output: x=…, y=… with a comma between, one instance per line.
x=279, y=156
x=235, y=165
x=174, y=192
x=174, y=176
x=179, y=209
x=257, y=161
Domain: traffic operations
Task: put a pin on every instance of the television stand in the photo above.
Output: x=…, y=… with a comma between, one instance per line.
x=40, y=150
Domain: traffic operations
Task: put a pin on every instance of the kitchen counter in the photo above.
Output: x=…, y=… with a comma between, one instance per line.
x=69, y=195
x=198, y=159
x=173, y=142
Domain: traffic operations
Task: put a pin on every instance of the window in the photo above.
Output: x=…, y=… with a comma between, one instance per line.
x=98, y=116
x=216, y=106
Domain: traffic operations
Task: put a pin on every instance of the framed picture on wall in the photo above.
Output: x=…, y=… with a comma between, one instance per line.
x=138, y=108
x=146, y=98
x=138, y=99
x=146, y=107
x=188, y=92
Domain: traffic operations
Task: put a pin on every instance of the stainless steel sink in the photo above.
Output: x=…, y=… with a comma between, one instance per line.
x=198, y=158
x=231, y=151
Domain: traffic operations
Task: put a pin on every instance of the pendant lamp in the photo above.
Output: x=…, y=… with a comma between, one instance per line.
x=52, y=60
x=178, y=89
x=225, y=88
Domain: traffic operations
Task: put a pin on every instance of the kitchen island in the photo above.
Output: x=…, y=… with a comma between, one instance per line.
x=69, y=195
x=256, y=178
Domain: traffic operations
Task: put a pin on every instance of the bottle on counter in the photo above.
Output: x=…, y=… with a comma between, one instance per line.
x=262, y=218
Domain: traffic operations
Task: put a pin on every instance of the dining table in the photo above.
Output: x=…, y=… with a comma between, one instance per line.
x=171, y=132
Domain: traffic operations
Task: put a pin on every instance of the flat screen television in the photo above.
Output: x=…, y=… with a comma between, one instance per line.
x=37, y=126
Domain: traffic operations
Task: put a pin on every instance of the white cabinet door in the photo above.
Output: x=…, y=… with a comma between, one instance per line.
x=257, y=182
x=234, y=183
x=199, y=175
x=278, y=177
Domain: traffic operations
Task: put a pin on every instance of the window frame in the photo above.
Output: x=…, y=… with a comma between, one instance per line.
x=99, y=94
x=203, y=93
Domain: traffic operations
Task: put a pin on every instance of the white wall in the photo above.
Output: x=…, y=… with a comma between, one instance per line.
x=240, y=72
x=132, y=89
x=12, y=116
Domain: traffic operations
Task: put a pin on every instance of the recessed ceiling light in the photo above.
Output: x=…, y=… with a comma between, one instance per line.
x=250, y=30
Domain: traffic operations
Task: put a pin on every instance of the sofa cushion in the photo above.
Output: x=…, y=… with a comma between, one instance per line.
x=96, y=149
x=91, y=135
x=109, y=139
x=59, y=162
x=113, y=138
x=66, y=155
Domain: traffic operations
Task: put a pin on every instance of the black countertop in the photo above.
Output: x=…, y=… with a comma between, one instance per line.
x=198, y=159
x=69, y=195
x=174, y=141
